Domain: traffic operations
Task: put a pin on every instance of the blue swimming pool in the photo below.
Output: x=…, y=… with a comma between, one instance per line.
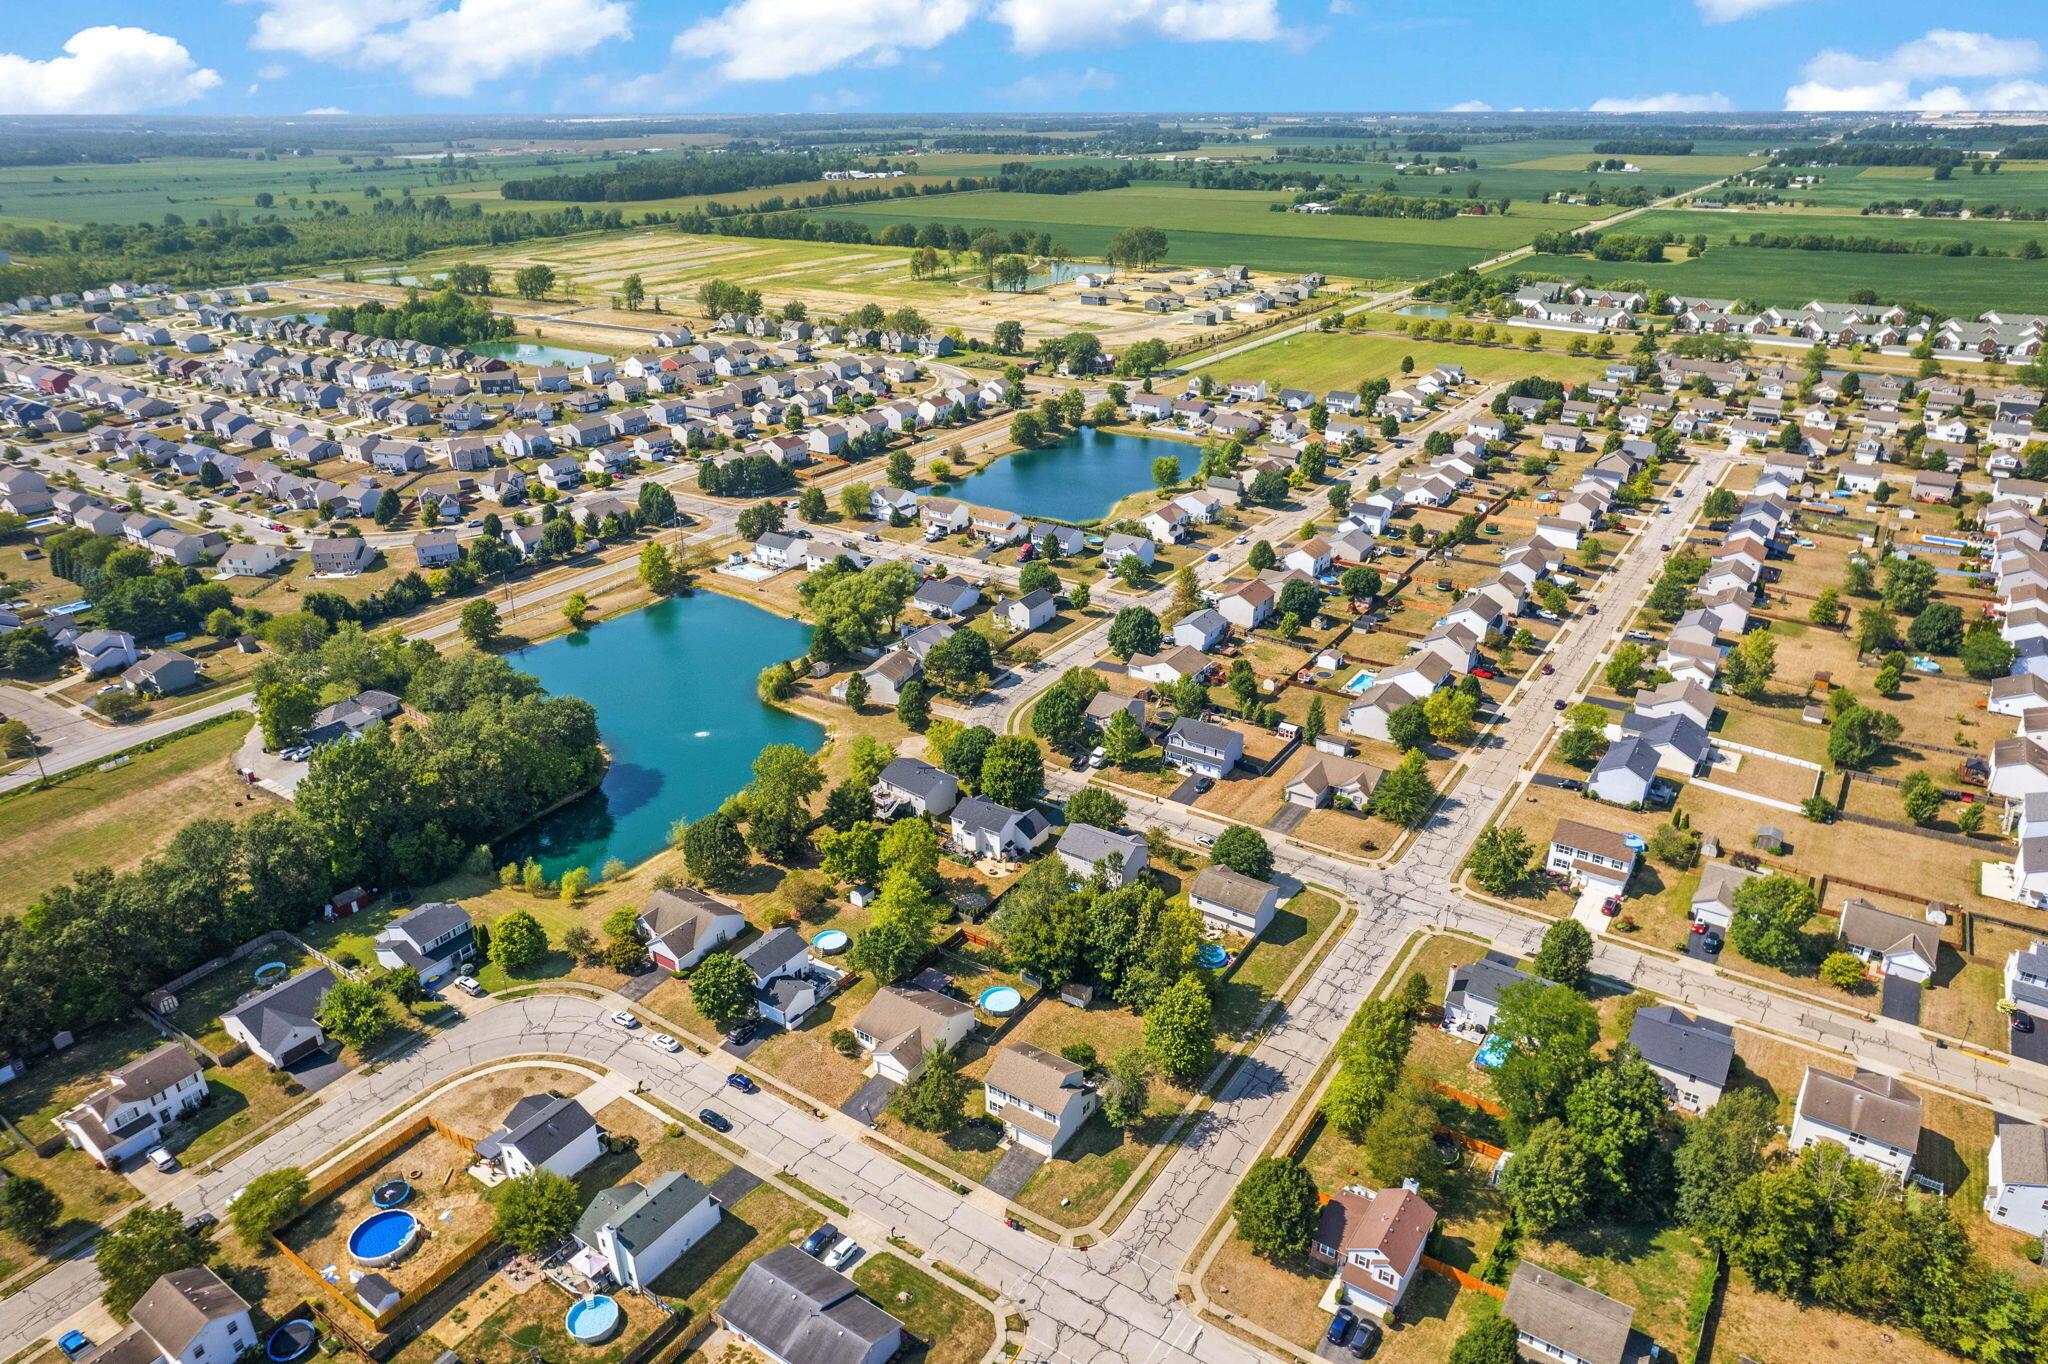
x=1360, y=681
x=591, y=1320
x=1492, y=1052
x=383, y=1237
x=1000, y=999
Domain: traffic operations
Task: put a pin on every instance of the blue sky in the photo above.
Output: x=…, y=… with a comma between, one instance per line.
x=707, y=56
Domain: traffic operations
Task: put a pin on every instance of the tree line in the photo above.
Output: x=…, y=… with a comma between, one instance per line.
x=443, y=318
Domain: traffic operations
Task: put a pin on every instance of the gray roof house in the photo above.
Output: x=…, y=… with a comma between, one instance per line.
x=1624, y=773
x=344, y=557
x=189, y=1316
x=642, y=1229
x=278, y=1024
x=1202, y=749
x=982, y=828
x=682, y=926
x=164, y=672
x=433, y=939
x=1690, y=1055
x=1473, y=995
x=796, y=1310
x=543, y=1132
x=1557, y=1319
x=914, y=785
x=351, y=717
x=946, y=598
x=1713, y=902
x=1083, y=847
x=1233, y=901
x=1874, y=1117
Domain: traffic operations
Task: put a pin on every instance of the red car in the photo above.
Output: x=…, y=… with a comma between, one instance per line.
x=1612, y=906
x=1482, y=672
x=1548, y=670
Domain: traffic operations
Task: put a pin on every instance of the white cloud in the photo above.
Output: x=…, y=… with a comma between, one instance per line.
x=104, y=70
x=325, y=111
x=765, y=40
x=1042, y=25
x=1045, y=90
x=1728, y=11
x=442, y=49
x=1470, y=106
x=1673, y=103
x=1904, y=78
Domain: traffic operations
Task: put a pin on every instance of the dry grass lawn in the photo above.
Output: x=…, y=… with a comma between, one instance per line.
x=476, y=1108
x=452, y=1211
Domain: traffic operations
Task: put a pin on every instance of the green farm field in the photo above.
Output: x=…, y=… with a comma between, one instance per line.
x=1221, y=227
x=1719, y=226
x=2020, y=184
x=1320, y=361
x=1960, y=285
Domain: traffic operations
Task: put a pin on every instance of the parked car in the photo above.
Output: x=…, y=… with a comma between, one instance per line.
x=1205, y=841
x=200, y=1221
x=1558, y=704
x=714, y=1120
x=162, y=1159
x=2022, y=1021
x=843, y=1254
x=814, y=1244
x=744, y=1033
x=743, y=1083
x=74, y=1344
x=661, y=1041
x=1548, y=670
x=1611, y=906
x=1712, y=942
x=1365, y=1338
x=1487, y=673
x=619, y=1018
x=1340, y=1326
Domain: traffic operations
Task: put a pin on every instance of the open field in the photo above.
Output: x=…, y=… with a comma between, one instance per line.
x=1320, y=361
x=2020, y=184
x=118, y=818
x=1961, y=285
x=1719, y=226
x=1222, y=227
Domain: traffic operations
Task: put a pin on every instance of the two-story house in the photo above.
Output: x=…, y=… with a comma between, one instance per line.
x=983, y=829
x=1202, y=749
x=788, y=982
x=1591, y=858
x=636, y=1231
x=1472, y=996
x=543, y=1132
x=1874, y=1117
x=1040, y=1099
x=1232, y=901
x=434, y=939
x=189, y=1316
x=2016, y=1195
x=1691, y=1056
x=1375, y=1238
x=127, y=1115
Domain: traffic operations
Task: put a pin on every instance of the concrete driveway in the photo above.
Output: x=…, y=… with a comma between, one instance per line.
x=1901, y=1000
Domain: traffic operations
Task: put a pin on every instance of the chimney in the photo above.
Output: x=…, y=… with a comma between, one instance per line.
x=1411, y=1185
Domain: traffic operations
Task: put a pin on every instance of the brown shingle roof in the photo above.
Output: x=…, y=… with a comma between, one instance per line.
x=1870, y=1105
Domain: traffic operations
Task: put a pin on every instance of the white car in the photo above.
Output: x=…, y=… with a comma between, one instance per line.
x=622, y=1019
x=843, y=1254
x=661, y=1041
x=469, y=985
x=164, y=1161
x=1205, y=840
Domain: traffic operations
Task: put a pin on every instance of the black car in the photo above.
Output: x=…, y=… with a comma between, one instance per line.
x=714, y=1120
x=2022, y=1021
x=201, y=1221
x=1559, y=704
x=744, y=1033
x=1365, y=1338
x=1711, y=941
x=814, y=1244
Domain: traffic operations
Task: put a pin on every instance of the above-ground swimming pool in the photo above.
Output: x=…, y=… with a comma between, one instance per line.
x=590, y=1320
x=392, y=1193
x=1492, y=1052
x=270, y=973
x=999, y=999
x=1212, y=957
x=831, y=940
x=1360, y=680
x=383, y=1238
x=290, y=1340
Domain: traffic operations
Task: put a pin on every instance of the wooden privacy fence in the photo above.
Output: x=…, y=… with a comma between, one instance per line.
x=1469, y=1100
x=1464, y=1280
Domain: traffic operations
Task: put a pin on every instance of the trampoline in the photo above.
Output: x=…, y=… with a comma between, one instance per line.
x=590, y=1321
x=392, y=1193
x=1000, y=999
x=383, y=1238
x=291, y=1340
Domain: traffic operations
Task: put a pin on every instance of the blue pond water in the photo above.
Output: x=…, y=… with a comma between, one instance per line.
x=674, y=690
x=1059, y=272
x=1426, y=310
x=1077, y=478
x=535, y=353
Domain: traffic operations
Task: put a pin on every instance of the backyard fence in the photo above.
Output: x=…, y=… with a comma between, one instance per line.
x=1462, y=1279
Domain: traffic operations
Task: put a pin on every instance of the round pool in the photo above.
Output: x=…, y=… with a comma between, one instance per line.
x=270, y=973
x=290, y=1340
x=1000, y=999
x=383, y=1238
x=591, y=1320
x=392, y=1193
x=1212, y=957
x=831, y=940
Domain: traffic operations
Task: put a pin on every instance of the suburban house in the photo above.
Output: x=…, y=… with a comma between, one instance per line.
x=1875, y=1117
x=1027, y=612
x=188, y=1316
x=103, y=651
x=126, y=1116
x=1890, y=944
x=1713, y=900
x=1325, y=776
x=1591, y=858
x=543, y=1132
x=682, y=926
x=886, y=676
x=633, y=1232
x=344, y=557
x=433, y=939
x=1232, y=901
x=914, y=785
x=788, y=981
x=164, y=673
x=1375, y=1238
x=901, y=1026
x=1202, y=749
x=1690, y=1055
x=348, y=719
x=797, y=1310
x=252, y=561
x=1040, y=1099
x=1200, y=630
x=946, y=598
x=984, y=829
x=1472, y=997
x=1556, y=1318
x=1168, y=666
x=2016, y=1195
x=1084, y=848
x=1625, y=773
x=277, y=1024
x=2026, y=978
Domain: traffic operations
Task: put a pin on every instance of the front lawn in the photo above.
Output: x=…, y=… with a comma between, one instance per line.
x=950, y=1328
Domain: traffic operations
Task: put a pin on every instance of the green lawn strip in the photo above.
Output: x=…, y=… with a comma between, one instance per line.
x=816, y=1195
x=764, y=1219
x=952, y=1329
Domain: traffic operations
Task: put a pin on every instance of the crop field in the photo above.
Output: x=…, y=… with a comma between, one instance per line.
x=1321, y=361
x=2021, y=184
x=1221, y=227
x=1719, y=225
x=1961, y=285
x=194, y=187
